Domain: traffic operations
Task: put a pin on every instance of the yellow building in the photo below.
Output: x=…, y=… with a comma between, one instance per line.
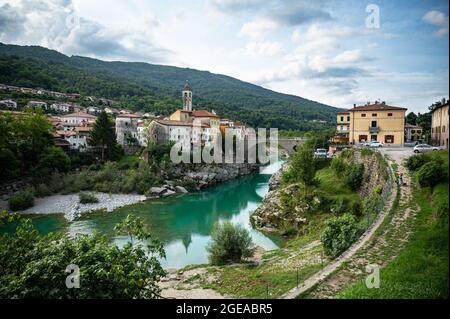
x=374, y=122
x=439, y=124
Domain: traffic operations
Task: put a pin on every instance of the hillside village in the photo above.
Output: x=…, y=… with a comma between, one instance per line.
x=73, y=123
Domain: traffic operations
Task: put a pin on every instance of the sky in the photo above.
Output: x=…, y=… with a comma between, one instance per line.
x=335, y=52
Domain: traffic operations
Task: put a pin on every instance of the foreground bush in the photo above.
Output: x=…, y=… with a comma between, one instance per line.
x=415, y=162
x=339, y=234
x=21, y=200
x=229, y=244
x=34, y=266
x=430, y=174
x=86, y=198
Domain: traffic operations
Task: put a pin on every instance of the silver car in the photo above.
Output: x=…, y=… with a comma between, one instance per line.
x=422, y=148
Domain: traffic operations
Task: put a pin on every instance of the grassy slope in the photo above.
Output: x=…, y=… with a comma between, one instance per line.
x=421, y=269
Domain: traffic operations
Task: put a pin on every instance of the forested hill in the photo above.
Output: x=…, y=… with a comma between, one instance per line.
x=157, y=88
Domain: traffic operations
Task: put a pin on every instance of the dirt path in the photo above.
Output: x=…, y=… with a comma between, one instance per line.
x=379, y=249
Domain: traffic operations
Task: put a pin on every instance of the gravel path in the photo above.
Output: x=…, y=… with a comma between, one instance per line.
x=71, y=208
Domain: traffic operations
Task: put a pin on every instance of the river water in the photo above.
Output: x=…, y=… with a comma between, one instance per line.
x=183, y=223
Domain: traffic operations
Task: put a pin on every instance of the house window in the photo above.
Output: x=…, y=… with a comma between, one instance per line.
x=374, y=124
x=373, y=137
x=362, y=138
x=363, y=115
x=413, y=131
x=342, y=119
x=389, y=114
x=374, y=114
x=389, y=139
x=348, y=118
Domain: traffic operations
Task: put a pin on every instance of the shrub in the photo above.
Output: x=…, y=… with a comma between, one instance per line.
x=339, y=234
x=354, y=176
x=229, y=244
x=415, y=162
x=87, y=198
x=42, y=190
x=371, y=205
x=367, y=151
x=378, y=190
x=302, y=167
x=430, y=174
x=21, y=200
x=339, y=165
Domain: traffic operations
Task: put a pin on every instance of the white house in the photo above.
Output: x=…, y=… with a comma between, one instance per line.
x=77, y=119
x=61, y=107
x=9, y=104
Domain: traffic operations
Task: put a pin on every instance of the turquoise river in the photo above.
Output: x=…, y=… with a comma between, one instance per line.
x=183, y=223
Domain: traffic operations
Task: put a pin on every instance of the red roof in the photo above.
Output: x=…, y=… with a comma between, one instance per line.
x=343, y=113
x=376, y=107
x=203, y=113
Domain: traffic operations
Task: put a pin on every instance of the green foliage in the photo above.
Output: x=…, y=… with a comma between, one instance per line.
x=302, y=166
x=367, y=151
x=87, y=198
x=103, y=135
x=339, y=164
x=354, y=176
x=411, y=118
x=430, y=174
x=21, y=200
x=229, y=244
x=339, y=234
x=54, y=158
x=9, y=165
x=34, y=266
x=415, y=162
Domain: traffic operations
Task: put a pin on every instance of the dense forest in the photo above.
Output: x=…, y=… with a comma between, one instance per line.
x=156, y=88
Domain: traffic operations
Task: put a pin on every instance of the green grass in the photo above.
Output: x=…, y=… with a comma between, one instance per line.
x=128, y=161
x=334, y=186
x=421, y=269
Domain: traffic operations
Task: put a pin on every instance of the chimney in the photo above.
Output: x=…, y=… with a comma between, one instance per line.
x=384, y=102
x=376, y=102
x=443, y=100
x=354, y=104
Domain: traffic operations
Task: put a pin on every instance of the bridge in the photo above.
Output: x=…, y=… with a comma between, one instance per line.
x=290, y=144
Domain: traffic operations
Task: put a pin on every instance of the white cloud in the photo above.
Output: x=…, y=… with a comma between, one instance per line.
x=257, y=28
x=438, y=19
x=266, y=49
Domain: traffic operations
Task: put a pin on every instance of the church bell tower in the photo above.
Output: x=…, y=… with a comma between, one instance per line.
x=187, y=97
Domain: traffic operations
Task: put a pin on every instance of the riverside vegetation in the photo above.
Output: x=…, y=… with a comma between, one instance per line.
x=320, y=207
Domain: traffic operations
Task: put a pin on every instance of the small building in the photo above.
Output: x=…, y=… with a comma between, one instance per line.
x=77, y=119
x=127, y=129
x=440, y=123
x=413, y=133
x=37, y=105
x=10, y=104
x=61, y=107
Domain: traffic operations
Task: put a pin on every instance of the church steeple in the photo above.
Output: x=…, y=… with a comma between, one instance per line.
x=187, y=97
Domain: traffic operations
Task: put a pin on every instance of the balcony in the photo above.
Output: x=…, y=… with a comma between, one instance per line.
x=374, y=129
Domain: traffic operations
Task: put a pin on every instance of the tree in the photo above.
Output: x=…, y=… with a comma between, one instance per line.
x=229, y=244
x=103, y=134
x=302, y=167
x=424, y=121
x=34, y=266
x=411, y=118
x=54, y=158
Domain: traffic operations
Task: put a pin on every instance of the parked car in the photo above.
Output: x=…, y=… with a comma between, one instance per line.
x=331, y=155
x=375, y=144
x=320, y=153
x=422, y=148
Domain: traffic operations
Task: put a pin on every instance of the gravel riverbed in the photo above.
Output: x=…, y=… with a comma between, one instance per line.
x=71, y=208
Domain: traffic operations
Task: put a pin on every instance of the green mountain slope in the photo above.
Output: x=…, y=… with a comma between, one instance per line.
x=156, y=88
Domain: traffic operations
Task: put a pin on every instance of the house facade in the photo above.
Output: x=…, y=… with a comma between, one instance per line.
x=9, y=104
x=413, y=133
x=376, y=122
x=61, y=107
x=127, y=129
x=440, y=124
x=77, y=119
